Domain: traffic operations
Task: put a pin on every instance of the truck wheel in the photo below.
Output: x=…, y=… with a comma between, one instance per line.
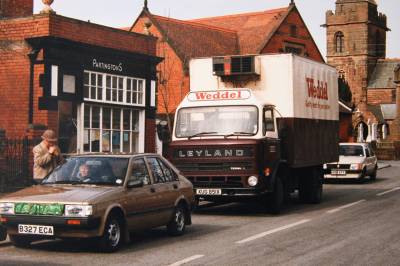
x=112, y=235
x=310, y=186
x=21, y=241
x=276, y=198
x=374, y=173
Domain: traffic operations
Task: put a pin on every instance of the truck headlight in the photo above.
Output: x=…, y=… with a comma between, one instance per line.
x=7, y=208
x=252, y=181
x=78, y=210
x=325, y=166
x=357, y=166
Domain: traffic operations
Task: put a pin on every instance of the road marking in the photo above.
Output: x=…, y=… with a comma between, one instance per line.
x=272, y=231
x=389, y=191
x=184, y=261
x=345, y=206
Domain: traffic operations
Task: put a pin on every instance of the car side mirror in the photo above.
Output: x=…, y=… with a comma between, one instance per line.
x=135, y=183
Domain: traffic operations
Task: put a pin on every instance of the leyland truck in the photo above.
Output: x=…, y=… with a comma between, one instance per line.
x=257, y=127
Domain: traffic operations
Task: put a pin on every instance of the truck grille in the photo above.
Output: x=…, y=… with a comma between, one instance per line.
x=216, y=181
x=210, y=166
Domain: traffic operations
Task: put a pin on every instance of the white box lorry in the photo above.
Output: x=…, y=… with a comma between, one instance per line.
x=257, y=127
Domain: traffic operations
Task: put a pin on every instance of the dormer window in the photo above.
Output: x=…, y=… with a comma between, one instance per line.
x=339, y=42
x=293, y=31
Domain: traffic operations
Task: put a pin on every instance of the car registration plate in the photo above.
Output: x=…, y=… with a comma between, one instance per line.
x=208, y=191
x=338, y=172
x=35, y=230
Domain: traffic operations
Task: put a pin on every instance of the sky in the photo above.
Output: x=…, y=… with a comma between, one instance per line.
x=124, y=13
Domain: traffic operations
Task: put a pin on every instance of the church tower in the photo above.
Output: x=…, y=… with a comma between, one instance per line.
x=356, y=39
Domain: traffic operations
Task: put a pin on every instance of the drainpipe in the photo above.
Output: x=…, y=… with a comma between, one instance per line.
x=32, y=58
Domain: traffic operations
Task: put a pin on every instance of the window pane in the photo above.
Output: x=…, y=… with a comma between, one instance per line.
x=135, y=140
x=106, y=118
x=114, y=95
x=140, y=98
x=86, y=92
x=116, y=119
x=120, y=83
x=95, y=140
x=108, y=95
x=134, y=97
x=108, y=81
x=86, y=140
x=87, y=116
x=106, y=141
x=95, y=117
x=156, y=169
x=114, y=82
x=116, y=141
x=120, y=95
x=127, y=119
x=140, y=172
x=126, y=142
x=99, y=93
x=135, y=120
x=100, y=80
x=92, y=92
x=93, y=79
x=129, y=97
x=140, y=87
x=168, y=173
x=129, y=84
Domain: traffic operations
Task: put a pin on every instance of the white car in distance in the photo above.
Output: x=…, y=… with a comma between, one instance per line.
x=356, y=160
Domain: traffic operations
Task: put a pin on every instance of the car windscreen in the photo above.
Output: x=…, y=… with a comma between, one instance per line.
x=351, y=150
x=90, y=170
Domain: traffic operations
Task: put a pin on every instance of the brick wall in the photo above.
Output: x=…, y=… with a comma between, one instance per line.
x=173, y=83
x=381, y=96
x=150, y=143
x=16, y=8
x=15, y=65
x=302, y=38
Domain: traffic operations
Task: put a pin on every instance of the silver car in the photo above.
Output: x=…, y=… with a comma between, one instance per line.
x=356, y=160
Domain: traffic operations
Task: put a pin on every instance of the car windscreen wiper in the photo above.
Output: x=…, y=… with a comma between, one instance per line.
x=239, y=134
x=201, y=134
x=63, y=182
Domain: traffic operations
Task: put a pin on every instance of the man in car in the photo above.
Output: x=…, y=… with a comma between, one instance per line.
x=84, y=171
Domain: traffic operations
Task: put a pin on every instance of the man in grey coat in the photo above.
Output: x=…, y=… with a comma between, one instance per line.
x=47, y=155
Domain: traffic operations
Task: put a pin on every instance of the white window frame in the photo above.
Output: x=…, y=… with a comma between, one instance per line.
x=104, y=89
x=81, y=128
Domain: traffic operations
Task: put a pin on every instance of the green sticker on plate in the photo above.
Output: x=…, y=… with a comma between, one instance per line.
x=53, y=209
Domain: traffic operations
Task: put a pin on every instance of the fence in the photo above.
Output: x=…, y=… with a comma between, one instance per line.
x=16, y=163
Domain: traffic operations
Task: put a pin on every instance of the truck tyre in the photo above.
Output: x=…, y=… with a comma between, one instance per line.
x=374, y=173
x=3, y=233
x=177, y=225
x=276, y=198
x=20, y=241
x=113, y=234
x=310, y=186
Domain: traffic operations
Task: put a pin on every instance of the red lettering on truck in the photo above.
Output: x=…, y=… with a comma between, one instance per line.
x=320, y=91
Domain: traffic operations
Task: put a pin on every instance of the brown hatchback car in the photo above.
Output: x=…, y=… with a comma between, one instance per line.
x=100, y=196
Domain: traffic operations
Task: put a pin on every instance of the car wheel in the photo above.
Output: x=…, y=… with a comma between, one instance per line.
x=276, y=198
x=374, y=173
x=112, y=235
x=363, y=175
x=177, y=225
x=20, y=241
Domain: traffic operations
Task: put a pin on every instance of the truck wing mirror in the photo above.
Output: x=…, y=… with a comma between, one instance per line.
x=163, y=131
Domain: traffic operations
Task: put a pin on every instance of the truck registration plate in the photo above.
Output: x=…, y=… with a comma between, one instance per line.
x=206, y=191
x=338, y=172
x=35, y=230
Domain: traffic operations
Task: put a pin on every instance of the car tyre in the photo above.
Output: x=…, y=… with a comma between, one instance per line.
x=276, y=199
x=374, y=173
x=113, y=234
x=20, y=241
x=177, y=225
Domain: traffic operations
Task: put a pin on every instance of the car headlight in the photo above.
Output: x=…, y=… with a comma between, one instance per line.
x=78, y=210
x=325, y=166
x=357, y=166
x=252, y=181
x=7, y=208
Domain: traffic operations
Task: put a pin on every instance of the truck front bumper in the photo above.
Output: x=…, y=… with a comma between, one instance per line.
x=230, y=194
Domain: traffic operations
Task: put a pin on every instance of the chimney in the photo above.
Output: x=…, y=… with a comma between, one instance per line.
x=16, y=8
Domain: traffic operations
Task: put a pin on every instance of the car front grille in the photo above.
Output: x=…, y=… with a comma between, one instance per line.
x=338, y=166
x=215, y=166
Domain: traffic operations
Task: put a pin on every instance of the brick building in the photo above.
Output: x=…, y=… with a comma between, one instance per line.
x=356, y=46
x=272, y=31
x=93, y=84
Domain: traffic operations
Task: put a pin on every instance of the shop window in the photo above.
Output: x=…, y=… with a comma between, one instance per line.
x=108, y=129
x=101, y=87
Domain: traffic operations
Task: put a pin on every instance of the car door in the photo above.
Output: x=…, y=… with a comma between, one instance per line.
x=368, y=161
x=165, y=189
x=142, y=199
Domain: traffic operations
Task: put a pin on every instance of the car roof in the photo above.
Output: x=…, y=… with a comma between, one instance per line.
x=112, y=155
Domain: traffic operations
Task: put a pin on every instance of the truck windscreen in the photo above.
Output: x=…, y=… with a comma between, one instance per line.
x=220, y=120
